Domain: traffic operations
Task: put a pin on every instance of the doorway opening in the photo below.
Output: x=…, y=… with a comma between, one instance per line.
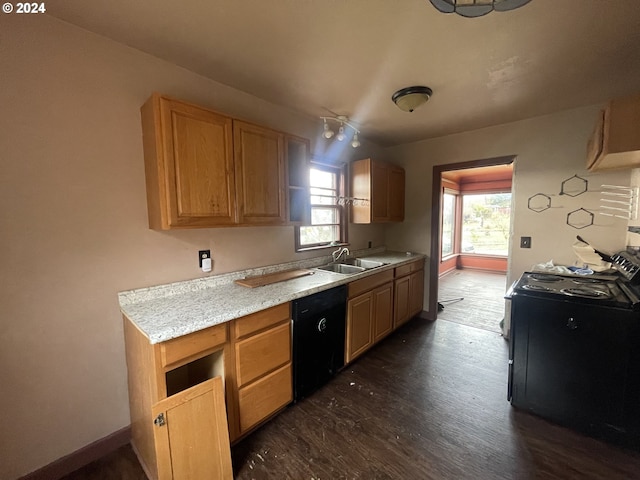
x=470, y=230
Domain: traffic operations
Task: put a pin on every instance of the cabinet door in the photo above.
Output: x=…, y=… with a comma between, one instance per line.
x=401, y=301
x=190, y=175
x=416, y=292
x=359, y=331
x=379, y=192
x=260, y=174
x=382, y=311
x=191, y=436
x=396, y=194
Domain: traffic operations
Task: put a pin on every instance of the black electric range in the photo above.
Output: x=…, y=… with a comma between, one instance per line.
x=599, y=290
x=575, y=351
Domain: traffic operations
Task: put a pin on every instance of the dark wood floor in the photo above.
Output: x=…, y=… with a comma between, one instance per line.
x=428, y=403
x=473, y=297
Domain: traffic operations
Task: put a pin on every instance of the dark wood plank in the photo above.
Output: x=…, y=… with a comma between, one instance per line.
x=430, y=403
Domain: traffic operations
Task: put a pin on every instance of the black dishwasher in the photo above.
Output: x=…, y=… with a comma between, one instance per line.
x=318, y=339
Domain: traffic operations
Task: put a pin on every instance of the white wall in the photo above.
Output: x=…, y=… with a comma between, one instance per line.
x=549, y=149
x=73, y=227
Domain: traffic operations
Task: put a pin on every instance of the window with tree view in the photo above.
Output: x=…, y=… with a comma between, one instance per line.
x=486, y=223
x=327, y=215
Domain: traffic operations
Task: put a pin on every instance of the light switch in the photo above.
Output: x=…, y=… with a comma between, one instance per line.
x=525, y=242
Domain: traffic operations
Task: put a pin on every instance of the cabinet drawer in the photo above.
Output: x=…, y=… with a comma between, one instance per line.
x=182, y=349
x=264, y=397
x=260, y=320
x=409, y=267
x=262, y=353
x=369, y=283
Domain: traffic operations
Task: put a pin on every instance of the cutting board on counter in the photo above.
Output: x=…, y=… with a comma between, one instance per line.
x=260, y=280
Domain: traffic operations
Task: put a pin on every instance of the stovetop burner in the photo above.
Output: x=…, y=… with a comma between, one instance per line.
x=586, y=280
x=585, y=292
x=544, y=277
x=537, y=288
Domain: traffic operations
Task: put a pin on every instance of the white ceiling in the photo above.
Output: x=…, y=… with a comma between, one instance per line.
x=349, y=56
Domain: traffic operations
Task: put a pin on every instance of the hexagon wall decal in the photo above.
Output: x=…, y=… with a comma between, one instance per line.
x=580, y=218
x=539, y=202
x=574, y=186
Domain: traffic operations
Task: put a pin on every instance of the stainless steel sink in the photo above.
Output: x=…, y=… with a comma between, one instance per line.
x=363, y=262
x=342, y=268
x=349, y=266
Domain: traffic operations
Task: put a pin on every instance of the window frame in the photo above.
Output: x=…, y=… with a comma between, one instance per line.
x=339, y=171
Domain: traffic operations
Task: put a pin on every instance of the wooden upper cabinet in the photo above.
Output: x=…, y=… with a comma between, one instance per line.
x=615, y=142
x=188, y=165
x=204, y=169
x=383, y=185
x=260, y=174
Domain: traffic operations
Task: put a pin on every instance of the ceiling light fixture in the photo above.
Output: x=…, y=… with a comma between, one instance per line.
x=342, y=120
x=477, y=8
x=410, y=98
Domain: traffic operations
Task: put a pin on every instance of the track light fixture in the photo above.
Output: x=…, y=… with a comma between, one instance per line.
x=343, y=121
x=477, y=8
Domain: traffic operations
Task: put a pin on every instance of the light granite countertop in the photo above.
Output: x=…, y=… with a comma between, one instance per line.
x=169, y=311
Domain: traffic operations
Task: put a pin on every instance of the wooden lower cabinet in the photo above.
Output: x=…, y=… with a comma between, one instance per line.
x=416, y=292
x=408, y=292
x=359, y=332
x=382, y=311
x=190, y=433
x=178, y=390
x=263, y=371
x=401, y=301
x=369, y=319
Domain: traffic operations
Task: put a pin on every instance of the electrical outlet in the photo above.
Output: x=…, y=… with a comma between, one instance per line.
x=525, y=242
x=202, y=254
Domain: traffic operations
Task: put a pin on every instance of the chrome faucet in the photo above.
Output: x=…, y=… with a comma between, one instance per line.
x=338, y=253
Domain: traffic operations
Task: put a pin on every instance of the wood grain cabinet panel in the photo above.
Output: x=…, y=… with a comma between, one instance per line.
x=416, y=292
x=188, y=165
x=408, y=291
x=191, y=435
x=369, y=319
x=204, y=169
x=382, y=311
x=260, y=174
x=255, y=322
x=183, y=349
x=615, y=143
x=401, y=301
x=383, y=185
x=261, y=353
x=264, y=397
x=262, y=379
x=359, y=335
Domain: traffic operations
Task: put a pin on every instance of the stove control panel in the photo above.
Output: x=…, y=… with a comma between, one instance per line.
x=628, y=265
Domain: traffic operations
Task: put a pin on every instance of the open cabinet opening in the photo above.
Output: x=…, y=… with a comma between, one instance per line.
x=195, y=372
